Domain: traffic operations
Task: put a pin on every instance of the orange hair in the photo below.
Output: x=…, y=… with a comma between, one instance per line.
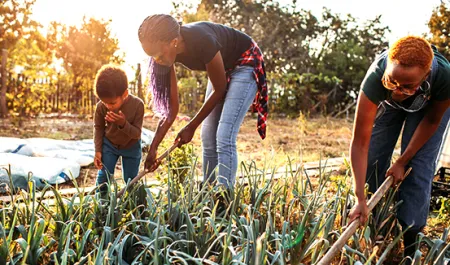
x=412, y=51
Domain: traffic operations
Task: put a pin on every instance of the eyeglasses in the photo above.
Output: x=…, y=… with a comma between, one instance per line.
x=409, y=91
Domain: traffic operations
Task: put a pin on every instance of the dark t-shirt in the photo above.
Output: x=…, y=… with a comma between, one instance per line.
x=376, y=92
x=204, y=39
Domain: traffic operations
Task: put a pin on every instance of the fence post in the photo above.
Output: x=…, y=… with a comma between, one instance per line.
x=139, y=82
x=58, y=92
x=92, y=101
x=3, y=108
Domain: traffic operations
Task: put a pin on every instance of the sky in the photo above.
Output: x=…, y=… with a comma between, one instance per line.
x=402, y=16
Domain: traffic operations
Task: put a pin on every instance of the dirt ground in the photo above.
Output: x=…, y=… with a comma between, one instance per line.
x=300, y=140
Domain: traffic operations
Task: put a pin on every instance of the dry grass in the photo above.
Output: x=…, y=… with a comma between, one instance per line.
x=300, y=140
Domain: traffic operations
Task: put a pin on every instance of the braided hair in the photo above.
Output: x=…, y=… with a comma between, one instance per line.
x=156, y=28
x=159, y=27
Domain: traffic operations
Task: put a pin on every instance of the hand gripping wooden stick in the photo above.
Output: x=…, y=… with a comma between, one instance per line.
x=145, y=171
x=351, y=229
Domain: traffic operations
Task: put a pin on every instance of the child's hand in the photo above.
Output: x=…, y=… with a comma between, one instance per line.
x=98, y=160
x=118, y=118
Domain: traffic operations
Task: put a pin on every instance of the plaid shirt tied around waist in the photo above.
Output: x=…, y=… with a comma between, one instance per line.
x=253, y=57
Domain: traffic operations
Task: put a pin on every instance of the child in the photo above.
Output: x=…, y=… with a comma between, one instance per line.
x=117, y=125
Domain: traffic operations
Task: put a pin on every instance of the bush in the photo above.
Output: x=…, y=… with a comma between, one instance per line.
x=177, y=164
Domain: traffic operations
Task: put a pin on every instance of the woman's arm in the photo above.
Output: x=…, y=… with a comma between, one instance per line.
x=164, y=123
x=216, y=73
x=426, y=128
x=359, y=152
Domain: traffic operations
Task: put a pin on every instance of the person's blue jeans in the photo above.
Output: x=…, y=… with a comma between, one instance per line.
x=131, y=159
x=415, y=190
x=220, y=128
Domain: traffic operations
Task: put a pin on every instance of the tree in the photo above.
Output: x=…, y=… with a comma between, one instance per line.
x=191, y=85
x=283, y=32
x=347, y=50
x=15, y=24
x=285, y=45
x=84, y=50
x=310, y=61
x=32, y=60
x=439, y=25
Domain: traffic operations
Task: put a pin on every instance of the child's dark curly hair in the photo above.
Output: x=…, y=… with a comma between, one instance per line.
x=110, y=82
x=412, y=51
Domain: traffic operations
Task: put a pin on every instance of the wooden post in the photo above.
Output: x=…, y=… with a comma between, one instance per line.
x=69, y=98
x=58, y=95
x=139, y=82
x=89, y=101
x=93, y=102
x=3, y=108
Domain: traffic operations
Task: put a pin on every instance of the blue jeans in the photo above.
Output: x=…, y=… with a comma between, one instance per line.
x=415, y=190
x=131, y=159
x=220, y=128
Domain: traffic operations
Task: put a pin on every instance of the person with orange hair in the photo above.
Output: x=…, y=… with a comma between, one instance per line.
x=406, y=87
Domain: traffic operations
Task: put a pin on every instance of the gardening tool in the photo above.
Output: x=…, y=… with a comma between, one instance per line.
x=145, y=171
x=351, y=228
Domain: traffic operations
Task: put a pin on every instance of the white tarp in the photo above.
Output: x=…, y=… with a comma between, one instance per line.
x=50, y=160
x=41, y=169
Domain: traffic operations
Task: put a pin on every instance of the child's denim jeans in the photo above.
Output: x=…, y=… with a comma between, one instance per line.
x=131, y=159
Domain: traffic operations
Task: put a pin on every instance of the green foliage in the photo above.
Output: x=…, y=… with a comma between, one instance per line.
x=38, y=83
x=332, y=47
x=268, y=219
x=293, y=92
x=32, y=76
x=84, y=50
x=27, y=97
x=16, y=23
x=24, y=45
x=439, y=26
x=191, y=90
x=178, y=163
x=444, y=210
x=314, y=64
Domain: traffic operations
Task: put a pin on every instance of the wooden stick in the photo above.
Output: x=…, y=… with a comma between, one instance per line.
x=144, y=172
x=351, y=229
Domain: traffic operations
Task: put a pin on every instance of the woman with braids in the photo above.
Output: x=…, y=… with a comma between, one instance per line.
x=235, y=69
x=407, y=87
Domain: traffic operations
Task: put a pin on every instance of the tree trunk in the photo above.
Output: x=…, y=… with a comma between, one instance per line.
x=139, y=82
x=58, y=95
x=3, y=108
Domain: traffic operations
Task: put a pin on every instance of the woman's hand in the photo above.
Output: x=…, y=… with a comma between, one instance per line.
x=151, y=163
x=185, y=135
x=397, y=171
x=361, y=211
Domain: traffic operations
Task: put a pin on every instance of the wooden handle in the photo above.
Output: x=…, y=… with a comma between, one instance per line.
x=351, y=229
x=145, y=171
